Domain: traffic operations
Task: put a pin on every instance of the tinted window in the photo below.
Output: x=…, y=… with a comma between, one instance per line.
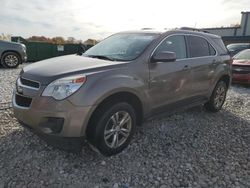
x=174, y=44
x=198, y=47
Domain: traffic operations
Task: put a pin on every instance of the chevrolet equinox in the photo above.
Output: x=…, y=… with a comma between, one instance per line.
x=103, y=94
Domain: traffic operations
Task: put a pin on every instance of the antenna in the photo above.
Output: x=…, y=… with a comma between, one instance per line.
x=147, y=28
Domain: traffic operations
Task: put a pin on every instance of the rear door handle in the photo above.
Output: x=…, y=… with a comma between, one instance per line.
x=186, y=67
x=214, y=62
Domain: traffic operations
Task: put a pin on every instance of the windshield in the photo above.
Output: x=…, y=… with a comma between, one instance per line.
x=121, y=47
x=232, y=47
x=244, y=55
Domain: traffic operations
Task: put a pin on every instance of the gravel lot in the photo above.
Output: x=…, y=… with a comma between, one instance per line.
x=189, y=149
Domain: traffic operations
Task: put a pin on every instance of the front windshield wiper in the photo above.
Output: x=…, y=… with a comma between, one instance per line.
x=102, y=57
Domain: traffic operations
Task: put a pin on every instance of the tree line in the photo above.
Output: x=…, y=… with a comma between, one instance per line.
x=54, y=40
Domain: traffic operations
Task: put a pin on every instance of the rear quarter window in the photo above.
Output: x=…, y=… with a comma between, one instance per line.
x=211, y=50
x=220, y=46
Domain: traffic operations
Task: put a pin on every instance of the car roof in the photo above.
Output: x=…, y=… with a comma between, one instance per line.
x=173, y=31
x=143, y=32
x=200, y=33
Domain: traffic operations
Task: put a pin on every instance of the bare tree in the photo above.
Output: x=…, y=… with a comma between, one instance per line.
x=6, y=37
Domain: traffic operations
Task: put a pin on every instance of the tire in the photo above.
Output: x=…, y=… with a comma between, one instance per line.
x=10, y=60
x=217, y=98
x=107, y=132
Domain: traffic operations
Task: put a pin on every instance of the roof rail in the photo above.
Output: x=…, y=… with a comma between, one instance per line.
x=193, y=29
x=147, y=28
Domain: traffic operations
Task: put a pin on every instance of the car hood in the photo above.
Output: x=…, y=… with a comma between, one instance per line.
x=49, y=70
x=11, y=44
x=241, y=62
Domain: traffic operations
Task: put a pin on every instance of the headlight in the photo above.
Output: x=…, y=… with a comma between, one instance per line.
x=64, y=87
x=23, y=47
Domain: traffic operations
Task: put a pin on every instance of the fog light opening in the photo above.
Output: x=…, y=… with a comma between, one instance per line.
x=51, y=125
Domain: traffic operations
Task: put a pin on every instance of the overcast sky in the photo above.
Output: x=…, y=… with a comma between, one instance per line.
x=100, y=18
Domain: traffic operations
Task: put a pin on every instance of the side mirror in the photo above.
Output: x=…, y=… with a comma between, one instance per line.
x=163, y=56
x=81, y=49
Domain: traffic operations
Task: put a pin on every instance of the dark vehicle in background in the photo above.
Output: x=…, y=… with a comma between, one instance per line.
x=129, y=77
x=12, y=54
x=241, y=67
x=237, y=47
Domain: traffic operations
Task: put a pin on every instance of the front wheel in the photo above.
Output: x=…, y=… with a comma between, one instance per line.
x=113, y=129
x=217, y=98
x=10, y=60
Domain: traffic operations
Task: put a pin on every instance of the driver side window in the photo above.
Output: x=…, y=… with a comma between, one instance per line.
x=174, y=44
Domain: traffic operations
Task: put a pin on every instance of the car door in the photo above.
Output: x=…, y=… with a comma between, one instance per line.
x=170, y=81
x=202, y=58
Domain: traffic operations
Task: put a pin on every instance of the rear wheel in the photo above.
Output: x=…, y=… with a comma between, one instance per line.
x=113, y=128
x=10, y=60
x=217, y=98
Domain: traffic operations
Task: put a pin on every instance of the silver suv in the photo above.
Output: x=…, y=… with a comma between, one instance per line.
x=12, y=54
x=129, y=77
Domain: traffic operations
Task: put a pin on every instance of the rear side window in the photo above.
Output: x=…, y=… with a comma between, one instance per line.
x=198, y=47
x=174, y=44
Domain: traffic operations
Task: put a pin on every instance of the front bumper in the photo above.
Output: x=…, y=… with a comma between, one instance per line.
x=241, y=78
x=71, y=144
x=42, y=110
x=24, y=57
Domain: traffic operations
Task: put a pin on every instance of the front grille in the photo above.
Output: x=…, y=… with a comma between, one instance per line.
x=23, y=101
x=29, y=83
x=239, y=69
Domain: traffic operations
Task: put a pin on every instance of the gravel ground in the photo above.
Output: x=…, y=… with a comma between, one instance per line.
x=189, y=149
x=7, y=82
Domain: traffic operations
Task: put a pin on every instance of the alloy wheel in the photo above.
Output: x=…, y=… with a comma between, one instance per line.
x=117, y=129
x=11, y=60
x=219, y=96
